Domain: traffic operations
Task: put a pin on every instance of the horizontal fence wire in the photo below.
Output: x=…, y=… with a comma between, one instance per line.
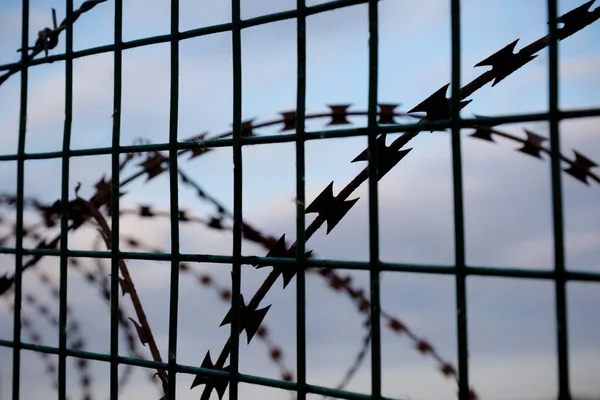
x=241, y=135
x=309, y=135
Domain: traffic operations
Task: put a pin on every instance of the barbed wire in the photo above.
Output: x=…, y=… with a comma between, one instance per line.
x=48, y=37
x=331, y=209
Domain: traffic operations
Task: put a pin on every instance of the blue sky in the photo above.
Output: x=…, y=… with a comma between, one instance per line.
x=507, y=204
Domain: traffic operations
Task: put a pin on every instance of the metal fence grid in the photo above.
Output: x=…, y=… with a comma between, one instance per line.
x=460, y=270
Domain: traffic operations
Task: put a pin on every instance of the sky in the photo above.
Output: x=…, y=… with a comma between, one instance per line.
x=508, y=209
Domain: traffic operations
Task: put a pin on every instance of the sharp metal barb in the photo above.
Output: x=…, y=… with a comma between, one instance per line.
x=437, y=107
x=247, y=128
x=329, y=207
x=211, y=382
x=140, y=332
x=146, y=211
x=250, y=319
x=504, y=62
x=580, y=168
x=387, y=113
x=576, y=19
x=289, y=120
x=483, y=134
x=154, y=165
x=388, y=158
x=339, y=114
x=483, y=131
x=280, y=250
x=533, y=144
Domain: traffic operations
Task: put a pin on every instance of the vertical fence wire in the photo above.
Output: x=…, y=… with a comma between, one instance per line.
x=18, y=296
x=115, y=203
x=557, y=207
x=459, y=231
x=373, y=167
x=174, y=200
x=64, y=218
x=237, y=198
x=300, y=201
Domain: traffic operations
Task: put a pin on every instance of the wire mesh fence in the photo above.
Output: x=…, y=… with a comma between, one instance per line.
x=387, y=132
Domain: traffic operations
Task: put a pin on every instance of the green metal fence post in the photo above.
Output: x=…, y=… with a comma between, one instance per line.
x=557, y=207
x=114, y=200
x=64, y=221
x=373, y=167
x=174, y=200
x=237, y=198
x=459, y=230
x=18, y=296
x=300, y=201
